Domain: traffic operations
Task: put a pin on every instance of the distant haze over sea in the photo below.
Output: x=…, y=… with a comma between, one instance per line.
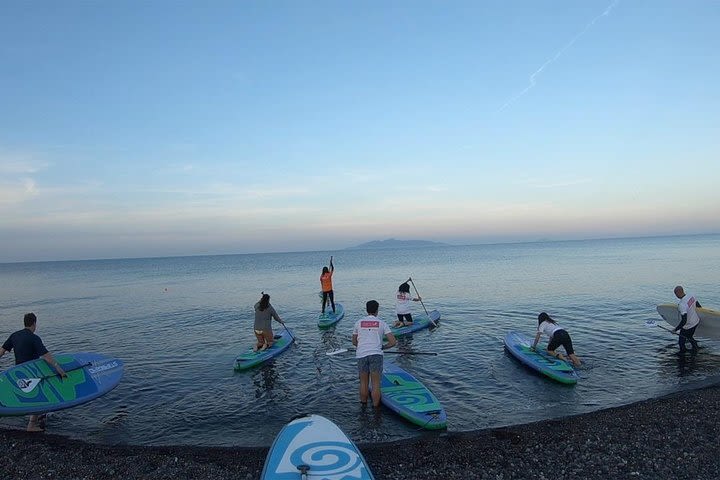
x=393, y=243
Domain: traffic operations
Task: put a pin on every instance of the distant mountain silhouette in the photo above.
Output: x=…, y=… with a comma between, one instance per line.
x=392, y=243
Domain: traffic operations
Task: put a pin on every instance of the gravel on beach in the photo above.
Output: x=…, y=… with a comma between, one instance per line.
x=674, y=437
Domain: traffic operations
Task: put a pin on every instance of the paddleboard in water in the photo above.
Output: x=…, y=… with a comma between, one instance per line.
x=539, y=360
x=419, y=322
x=314, y=445
x=708, y=327
x=250, y=358
x=329, y=318
x=35, y=387
x=408, y=397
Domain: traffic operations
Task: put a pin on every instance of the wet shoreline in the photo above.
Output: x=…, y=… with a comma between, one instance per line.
x=670, y=437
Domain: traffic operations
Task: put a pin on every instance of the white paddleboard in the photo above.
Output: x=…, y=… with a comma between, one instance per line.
x=709, y=326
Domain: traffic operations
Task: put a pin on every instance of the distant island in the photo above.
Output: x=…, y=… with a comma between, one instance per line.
x=392, y=243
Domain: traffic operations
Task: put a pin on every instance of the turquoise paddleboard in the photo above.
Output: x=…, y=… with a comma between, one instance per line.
x=408, y=397
x=250, y=358
x=419, y=322
x=314, y=447
x=519, y=346
x=329, y=318
x=35, y=387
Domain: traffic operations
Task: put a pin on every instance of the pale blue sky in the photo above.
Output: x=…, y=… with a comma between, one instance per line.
x=160, y=128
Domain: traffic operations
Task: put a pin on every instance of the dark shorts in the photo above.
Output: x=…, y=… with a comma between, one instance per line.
x=369, y=364
x=561, y=338
x=405, y=317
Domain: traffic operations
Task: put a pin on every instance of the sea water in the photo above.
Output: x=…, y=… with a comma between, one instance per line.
x=178, y=324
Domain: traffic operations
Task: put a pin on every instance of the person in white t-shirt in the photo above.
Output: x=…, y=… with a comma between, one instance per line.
x=689, y=319
x=367, y=337
x=558, y=337
x=402, y=308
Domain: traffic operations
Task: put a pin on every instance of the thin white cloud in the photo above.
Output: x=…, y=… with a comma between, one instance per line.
x=557, y=55
x=554, y=183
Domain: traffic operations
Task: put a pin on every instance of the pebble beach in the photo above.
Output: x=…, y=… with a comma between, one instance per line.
x=673, y=437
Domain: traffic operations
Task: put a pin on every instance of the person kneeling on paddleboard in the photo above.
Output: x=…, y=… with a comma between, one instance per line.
x=402, y=308
x=368, y=339
x=558, y=337
x=264, y=313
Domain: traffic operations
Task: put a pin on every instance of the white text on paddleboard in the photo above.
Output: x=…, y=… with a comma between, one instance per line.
x=102, y=368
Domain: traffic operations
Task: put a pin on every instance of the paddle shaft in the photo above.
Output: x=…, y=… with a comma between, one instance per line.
x=44, y=377
x=421, y=302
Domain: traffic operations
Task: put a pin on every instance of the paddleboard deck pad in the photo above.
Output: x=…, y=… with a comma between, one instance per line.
x=408, y=397
x=329, y=318
x=419, y=322
x=250, y=358
x=519, y=346
x=34, y=387
x=315, y=443
x=709, y=326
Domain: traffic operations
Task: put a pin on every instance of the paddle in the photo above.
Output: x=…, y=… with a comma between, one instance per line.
x=421, y=302
x=653, y=323
x=28, y=384
x=399, y=352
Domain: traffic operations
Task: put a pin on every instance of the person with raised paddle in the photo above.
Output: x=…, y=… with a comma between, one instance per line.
x=28, y=346
x=264, y=313
x=367, y=337
x=558, y=337
x=689, y=319
x=327, y=286
x=403, y=298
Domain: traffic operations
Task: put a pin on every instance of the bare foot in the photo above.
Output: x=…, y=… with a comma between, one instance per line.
x=35, y=428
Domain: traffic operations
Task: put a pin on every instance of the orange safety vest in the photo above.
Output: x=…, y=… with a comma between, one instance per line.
x=326, y=281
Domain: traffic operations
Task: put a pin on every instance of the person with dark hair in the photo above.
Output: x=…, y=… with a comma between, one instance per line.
x=402, y=308
x=689, y=319
x=264, y=313
x=27, y=347
x=327, y=286
x=558, y=337
x=367, y=337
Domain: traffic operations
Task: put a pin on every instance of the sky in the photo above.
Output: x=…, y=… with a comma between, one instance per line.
x=162, y=128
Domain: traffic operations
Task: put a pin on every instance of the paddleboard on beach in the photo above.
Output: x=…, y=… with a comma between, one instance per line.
x=329, y=318
x=314, y=446
x=250, y=358
x=708, y=327
x=34, y=387
x=519, y=346
x=408, y=397
x=419, y=322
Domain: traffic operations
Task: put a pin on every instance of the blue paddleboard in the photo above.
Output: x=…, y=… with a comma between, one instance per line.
x=408, y=397
x=250, y=358
x=419, y=322
x=318, y=447
x=34, y=387
x=519, y=346
x=329, y=318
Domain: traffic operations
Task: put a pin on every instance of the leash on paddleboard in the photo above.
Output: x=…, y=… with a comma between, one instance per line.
x=421, y=302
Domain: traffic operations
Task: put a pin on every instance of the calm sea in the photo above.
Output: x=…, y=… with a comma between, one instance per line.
x=178, y=324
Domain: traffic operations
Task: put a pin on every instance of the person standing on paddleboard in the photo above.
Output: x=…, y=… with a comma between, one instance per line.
x=402, y=308
x=368, y=339
x=327, y=287
x=264, y=313
x=558, y=337
x=689, y=319
x=28, y=346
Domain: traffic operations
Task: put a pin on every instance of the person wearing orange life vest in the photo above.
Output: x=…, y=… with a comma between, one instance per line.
x=327, y=287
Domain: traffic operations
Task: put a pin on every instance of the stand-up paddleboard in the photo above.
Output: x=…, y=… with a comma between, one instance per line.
x=708, y=327
x=314, y=446
x=408, y=397
x=419, y=322
x=250, y=358
x=329, y=318
x=35, y=387
x=519, y=346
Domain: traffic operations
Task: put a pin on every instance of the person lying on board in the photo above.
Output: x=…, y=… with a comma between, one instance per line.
x=689, y=319
x=402, y=307
x=28, y=346
x=558, y=337
x=367, y=337
x=327, y=287
x=264, y=313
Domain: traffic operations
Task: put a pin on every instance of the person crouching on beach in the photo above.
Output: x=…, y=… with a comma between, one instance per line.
x=367, y=337
x=28, y=346
x=264, y=313
x=558, y=337
x=402, y=307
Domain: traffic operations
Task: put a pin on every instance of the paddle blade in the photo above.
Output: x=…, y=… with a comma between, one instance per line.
x=337, y=352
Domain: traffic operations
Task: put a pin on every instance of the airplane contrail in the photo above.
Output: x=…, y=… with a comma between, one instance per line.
x=557, y=55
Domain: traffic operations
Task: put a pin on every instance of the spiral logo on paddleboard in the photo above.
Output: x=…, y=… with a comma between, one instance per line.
x=327, y=458
x=411, y=398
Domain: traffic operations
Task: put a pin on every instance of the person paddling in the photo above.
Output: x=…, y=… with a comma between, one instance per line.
x=689, y=319
x=264, y=313
x=327, y=286
x=558, y=337
x=402, y=307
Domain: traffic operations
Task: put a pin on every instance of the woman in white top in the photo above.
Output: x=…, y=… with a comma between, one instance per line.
x=402, y=308
x=558, y=337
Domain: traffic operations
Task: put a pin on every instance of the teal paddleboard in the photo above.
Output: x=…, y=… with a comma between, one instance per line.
x=519, y=346
x=419, y=322
x=250, y=358
x=330, y=318
x=408, y=397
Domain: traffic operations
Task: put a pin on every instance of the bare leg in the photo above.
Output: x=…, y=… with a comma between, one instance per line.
x=364, y=377
x=33, y=424
x=575, y=359
x=269, y=338
x=376, y=393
